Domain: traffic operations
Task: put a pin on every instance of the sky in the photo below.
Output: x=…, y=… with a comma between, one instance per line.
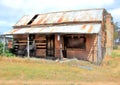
x=12, y=10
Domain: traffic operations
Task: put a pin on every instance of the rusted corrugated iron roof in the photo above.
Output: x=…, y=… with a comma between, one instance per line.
x=24, y=20
x=66, y=16
x=80, y=28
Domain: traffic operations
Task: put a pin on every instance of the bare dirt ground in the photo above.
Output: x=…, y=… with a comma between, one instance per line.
x=18, y=82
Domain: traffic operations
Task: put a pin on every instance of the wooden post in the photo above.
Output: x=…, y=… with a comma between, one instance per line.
x=28, y=51
x=99, y=51
x=61, y=54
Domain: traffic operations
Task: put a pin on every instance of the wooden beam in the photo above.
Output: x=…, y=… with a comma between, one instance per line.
x=28, y=51
x=61, y=54
x=99, y=51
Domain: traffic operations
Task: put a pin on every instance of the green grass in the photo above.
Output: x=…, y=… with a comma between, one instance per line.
x=116, y=53
x=70, y=71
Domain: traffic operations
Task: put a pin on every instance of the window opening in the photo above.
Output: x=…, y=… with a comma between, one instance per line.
x=32, y=19
x=76, y=42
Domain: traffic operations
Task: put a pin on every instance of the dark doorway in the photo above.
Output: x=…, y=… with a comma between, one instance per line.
x=50, y=46
x=65, y=47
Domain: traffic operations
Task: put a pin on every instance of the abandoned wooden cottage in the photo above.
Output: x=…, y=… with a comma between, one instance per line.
x=82, y=34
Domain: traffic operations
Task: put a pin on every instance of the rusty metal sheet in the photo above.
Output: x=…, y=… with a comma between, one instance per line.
x=70, y=16
x=24, y=20
x=80, y=28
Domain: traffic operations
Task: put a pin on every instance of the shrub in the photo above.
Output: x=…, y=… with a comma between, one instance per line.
x=1, y=48
x=7, y=53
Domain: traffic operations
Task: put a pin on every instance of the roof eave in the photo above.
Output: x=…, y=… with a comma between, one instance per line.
x=57, y=24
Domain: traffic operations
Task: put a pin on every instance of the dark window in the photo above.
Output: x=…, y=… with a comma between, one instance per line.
x=76, y=42
x=31, y=38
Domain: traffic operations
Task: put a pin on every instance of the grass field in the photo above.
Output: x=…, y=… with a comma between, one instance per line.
x=19, y=71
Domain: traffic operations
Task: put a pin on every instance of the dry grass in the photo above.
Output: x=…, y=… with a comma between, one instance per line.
x=19, y=71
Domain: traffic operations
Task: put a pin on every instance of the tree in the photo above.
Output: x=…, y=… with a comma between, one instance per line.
x=116, y=30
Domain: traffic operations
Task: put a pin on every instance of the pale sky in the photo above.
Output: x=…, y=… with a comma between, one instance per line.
x=12, y=10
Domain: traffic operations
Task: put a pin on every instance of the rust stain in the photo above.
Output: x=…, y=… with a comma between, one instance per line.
x=84, y=26
x=25, y=20
x=71, y=16
x=19, y=22
x=90, y=29
x=60, y=19
x=44, y=22
x=42, y=18
x=39, y=21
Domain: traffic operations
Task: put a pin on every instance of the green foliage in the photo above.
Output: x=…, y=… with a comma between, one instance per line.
x=1, y=48
x=115, y=35
x=7, y=53
x=115, y=30
x=115, y=54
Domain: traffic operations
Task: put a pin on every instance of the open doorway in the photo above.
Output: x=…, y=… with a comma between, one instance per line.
x=50, y=46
